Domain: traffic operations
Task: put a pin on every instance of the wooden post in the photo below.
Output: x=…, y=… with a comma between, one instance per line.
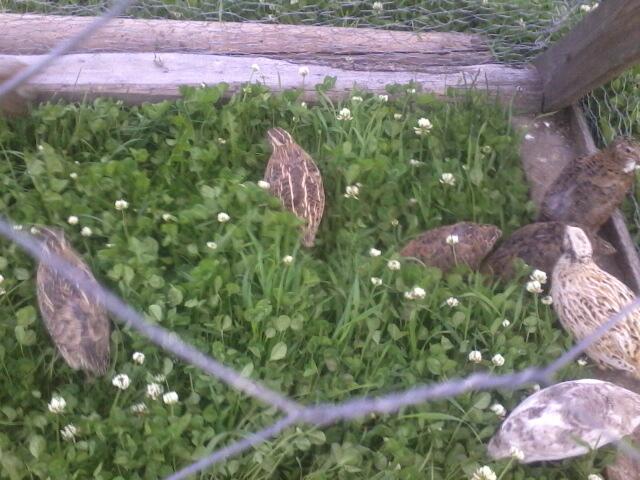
x=604, y=44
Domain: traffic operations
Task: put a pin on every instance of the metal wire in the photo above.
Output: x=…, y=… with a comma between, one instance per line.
x=320, y=415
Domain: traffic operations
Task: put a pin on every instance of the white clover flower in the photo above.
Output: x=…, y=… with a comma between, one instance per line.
x=69, y=432
x=287, y=259
x=86, y=232
x=223, y=217
x=534, y=287
x=264, y=185
x=167, y=217
x=498, y=409
x=497, y=360
x=255, y=68
x=34, y=230
x=221, y=141
x=17, y=227
x=374, y=252
x=397, y=116
x=484, y=473
x=154, y=390
x=376, y=282
x=40, y=148
x=121, y=381
x=73, y=176
x=416, y=293
x=57, y=404
x=453, y=302
x=303, y=71
x=411, y=91
x=582, y=362
x=516, y=453
x=378, y=7
x=303, y=104
x=212, y=245
x=415, y=163
x=170, y=398
x=588, y=8
x=1, y=279
x=506, y=323
x=594, y=476
x=356, y=99
x=424, y=126
x=535, y=387
x=547, y=300
x=452, y=239
x=2, y=291
x=395, y=222
x=72, y=220
x=109, y=245
x=383, y=98
x=138, y=357
x=344, y=114
x=448, y=179
x=121, y=204
x=352, y=191
x=539, y=275
x=475, y=356
x=413, y=201
x=139, y=408
x=393, y=265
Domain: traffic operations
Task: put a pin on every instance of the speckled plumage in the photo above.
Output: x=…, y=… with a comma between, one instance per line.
x=76, y=321
x=296, y=180
x=539, y=245
x=589, y=188
x=585, y=297
x=557, y=422
x=474, y=242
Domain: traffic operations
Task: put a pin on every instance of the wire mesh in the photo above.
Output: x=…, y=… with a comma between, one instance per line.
x=518, y=31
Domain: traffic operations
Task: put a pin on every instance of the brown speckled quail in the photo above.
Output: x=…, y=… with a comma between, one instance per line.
x=295, y=179
x=589, y=188
x=566, y=420
x=77, y=322
x=14, y=103
x=445, y=247
x=539, y=245
x=585, y=297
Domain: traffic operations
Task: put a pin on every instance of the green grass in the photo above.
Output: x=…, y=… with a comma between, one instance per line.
x=316, y=330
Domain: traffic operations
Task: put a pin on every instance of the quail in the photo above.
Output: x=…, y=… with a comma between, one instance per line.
x=589, y=188
x=445, y=247
x=566, y=420
x=295, y=179
x=73, y=315
x=585, y=297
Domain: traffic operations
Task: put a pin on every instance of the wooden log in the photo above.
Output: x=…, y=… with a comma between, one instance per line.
x=140, y=77
x=349, y=48
x=604, y=44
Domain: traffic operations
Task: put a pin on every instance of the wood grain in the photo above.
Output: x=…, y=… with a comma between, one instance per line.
x=352, y=48
x=604, y=44
x=140, y=77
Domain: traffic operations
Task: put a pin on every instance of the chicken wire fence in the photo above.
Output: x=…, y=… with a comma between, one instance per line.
x=517, y=30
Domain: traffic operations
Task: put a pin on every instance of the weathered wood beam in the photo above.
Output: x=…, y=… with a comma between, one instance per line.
x=604, y=44
x=350, y=48
x=140, y=77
